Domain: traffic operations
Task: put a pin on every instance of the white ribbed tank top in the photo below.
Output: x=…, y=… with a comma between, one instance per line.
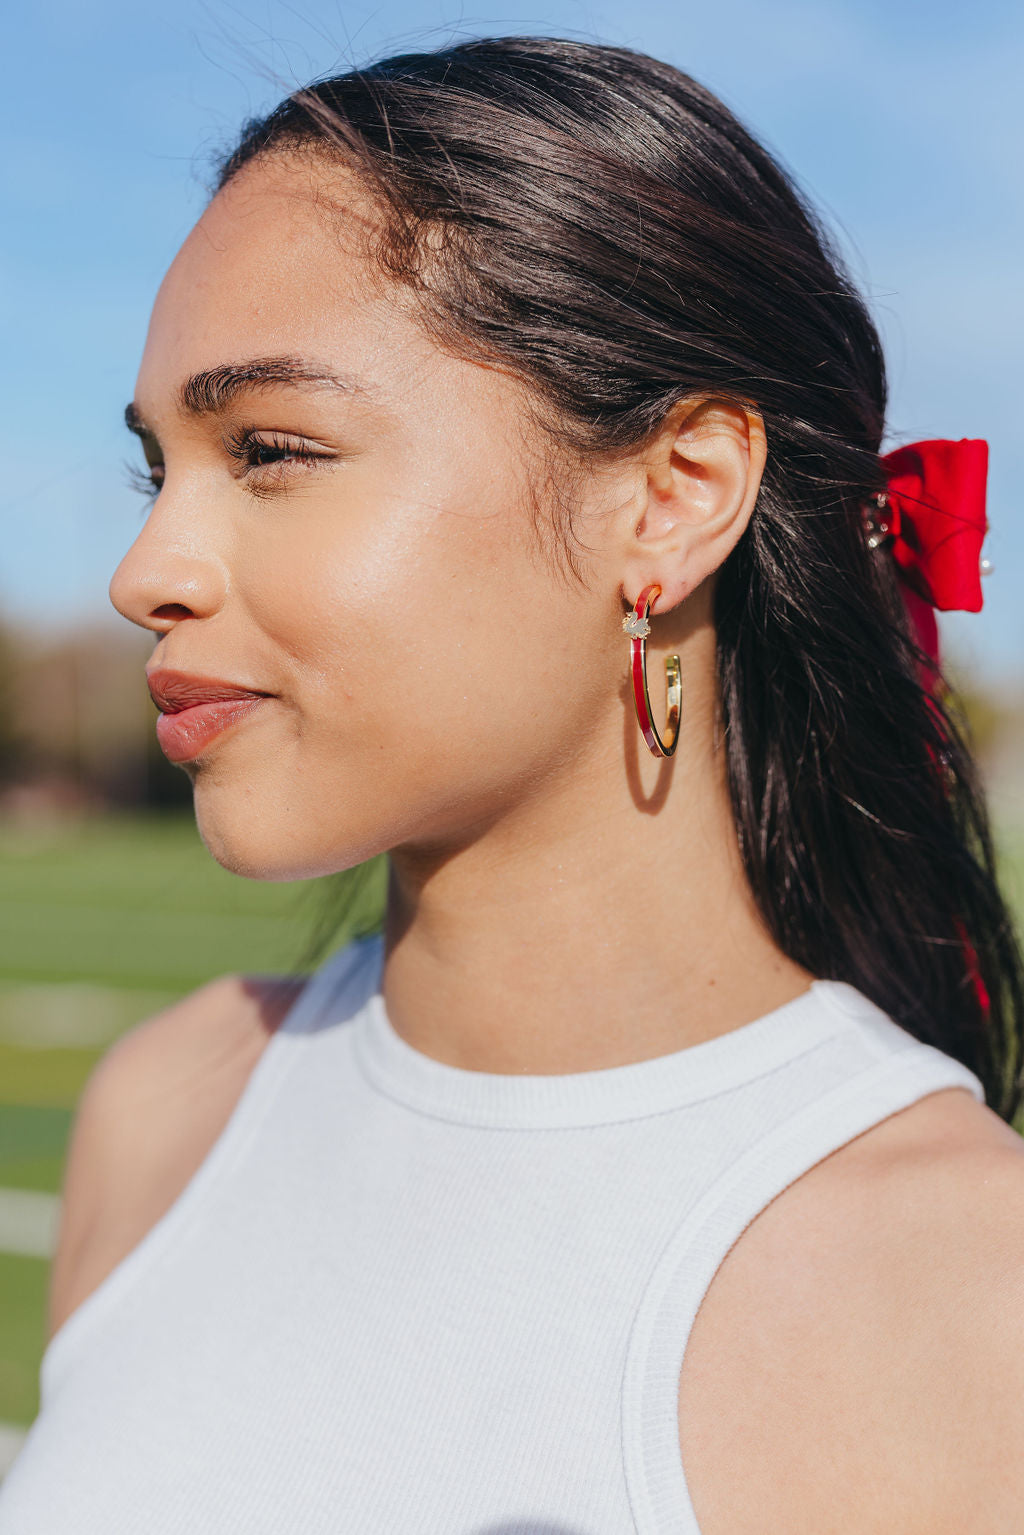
x=403, y=1298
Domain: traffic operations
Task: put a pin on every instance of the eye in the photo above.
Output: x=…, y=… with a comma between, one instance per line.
x=147, y=484
x=266, y=450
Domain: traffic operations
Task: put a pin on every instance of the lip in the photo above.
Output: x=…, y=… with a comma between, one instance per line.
x=195, y=710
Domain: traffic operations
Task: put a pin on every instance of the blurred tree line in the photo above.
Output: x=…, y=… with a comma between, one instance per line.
x=77, y=723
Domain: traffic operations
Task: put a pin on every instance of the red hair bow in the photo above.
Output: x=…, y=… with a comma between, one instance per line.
x=933, y=515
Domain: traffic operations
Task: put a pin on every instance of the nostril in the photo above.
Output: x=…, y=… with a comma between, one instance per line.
x=156, y=587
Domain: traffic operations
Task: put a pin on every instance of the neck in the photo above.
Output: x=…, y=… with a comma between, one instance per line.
x=603, y=919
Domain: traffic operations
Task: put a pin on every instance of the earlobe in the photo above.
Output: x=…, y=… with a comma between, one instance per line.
x=703, y=472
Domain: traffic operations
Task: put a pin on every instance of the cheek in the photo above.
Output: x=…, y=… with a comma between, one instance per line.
x=433, y=660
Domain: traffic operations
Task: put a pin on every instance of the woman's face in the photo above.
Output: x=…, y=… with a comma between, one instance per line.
x=346, y=523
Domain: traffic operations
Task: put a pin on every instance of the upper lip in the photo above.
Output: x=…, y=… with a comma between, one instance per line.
x=173, y=691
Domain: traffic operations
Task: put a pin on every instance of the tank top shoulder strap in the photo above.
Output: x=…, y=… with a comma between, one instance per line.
x=895, y=1071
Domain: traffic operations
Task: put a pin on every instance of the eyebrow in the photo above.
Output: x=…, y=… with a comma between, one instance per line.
x=215, y=389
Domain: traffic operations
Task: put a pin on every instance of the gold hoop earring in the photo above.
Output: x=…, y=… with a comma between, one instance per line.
x=637, y=626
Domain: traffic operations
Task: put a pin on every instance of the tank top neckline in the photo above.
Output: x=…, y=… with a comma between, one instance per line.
x=606, y=1095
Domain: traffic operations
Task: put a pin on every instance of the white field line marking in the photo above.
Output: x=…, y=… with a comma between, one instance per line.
x=73, y=1013
x=11, y=1440
x=28, y=1222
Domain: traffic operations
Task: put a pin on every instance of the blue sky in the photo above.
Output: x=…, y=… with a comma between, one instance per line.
x=901, y=120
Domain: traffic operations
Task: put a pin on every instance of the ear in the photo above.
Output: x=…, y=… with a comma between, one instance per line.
x=702, y=473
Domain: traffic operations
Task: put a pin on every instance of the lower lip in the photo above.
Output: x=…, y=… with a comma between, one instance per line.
x=185, y=734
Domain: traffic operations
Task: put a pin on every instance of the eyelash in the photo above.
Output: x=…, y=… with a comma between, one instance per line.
x=245, y=446
x=142, y=482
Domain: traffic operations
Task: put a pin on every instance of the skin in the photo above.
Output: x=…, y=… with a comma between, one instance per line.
x=560, y=901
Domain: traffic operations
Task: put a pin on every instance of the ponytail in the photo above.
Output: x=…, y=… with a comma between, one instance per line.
x=861, y=820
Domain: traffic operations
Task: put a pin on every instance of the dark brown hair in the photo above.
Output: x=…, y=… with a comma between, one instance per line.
x=605, y=228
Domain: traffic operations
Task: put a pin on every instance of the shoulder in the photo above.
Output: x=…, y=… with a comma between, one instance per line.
x=148, y=1115
x=879, y=1309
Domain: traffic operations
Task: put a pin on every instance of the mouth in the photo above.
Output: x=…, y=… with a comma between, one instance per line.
x=195, y=710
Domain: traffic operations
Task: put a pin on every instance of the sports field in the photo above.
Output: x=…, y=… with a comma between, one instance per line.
x=103, y=923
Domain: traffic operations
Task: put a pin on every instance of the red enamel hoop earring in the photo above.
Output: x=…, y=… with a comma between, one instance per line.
x=638, y=628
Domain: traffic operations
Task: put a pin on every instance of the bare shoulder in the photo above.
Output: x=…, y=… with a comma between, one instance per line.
x=859, y=1348
x=149, y=1113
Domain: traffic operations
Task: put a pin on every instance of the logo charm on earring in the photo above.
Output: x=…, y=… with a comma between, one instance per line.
x=637, y=626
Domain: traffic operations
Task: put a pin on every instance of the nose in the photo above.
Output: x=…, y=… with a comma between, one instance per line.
x=156, y=585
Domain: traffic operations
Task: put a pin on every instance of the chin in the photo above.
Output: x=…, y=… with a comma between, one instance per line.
x=262, y=841
x=242, y=840
x=241, y=853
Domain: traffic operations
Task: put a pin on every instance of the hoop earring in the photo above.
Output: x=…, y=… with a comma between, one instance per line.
x=638, y=628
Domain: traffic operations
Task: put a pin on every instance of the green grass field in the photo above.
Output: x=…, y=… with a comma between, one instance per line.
x=102, y=924
x=139, y=903
x=22, y=1334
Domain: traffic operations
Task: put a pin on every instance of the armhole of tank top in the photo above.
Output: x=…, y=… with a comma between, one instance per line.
x=652, y=1455
x=251, y=1107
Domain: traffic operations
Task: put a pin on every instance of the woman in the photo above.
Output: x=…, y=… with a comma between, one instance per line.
x=696, y=1037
